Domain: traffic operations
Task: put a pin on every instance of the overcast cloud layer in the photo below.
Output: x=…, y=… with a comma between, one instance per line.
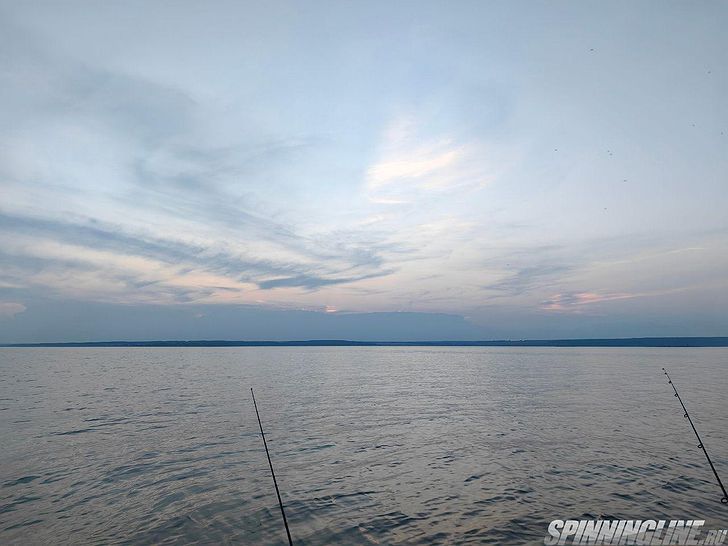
x=515, y=169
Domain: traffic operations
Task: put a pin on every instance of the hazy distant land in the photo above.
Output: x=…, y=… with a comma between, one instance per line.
x=622, y=342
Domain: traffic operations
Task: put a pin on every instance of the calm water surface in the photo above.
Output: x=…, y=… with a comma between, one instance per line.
x=372, y=445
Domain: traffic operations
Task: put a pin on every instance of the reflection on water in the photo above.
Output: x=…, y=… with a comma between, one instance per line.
x=374, y=445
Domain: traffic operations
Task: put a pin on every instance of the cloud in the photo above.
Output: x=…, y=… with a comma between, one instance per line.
x=138, y=265
x=313, y=282
x=529, y=278
x=412, y=162
x=114, y=189
x=9, y=309
x=573, y=302
x=417, y=164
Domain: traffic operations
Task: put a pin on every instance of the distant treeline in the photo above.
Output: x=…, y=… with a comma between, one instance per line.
x=624, y=342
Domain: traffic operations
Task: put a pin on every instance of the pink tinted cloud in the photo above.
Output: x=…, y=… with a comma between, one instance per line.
x=10, y=309
x=574, y=301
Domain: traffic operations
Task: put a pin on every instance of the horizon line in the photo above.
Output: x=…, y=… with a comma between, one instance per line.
x=656, y=341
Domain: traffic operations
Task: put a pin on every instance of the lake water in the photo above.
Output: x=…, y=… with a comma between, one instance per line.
x=372, y=445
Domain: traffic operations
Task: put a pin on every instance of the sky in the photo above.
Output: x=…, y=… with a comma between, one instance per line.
x=362, y=170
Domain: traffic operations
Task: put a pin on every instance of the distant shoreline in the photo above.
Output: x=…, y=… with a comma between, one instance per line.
x=606, y=342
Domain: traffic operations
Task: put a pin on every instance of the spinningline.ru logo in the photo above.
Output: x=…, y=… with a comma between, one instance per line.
x=651, y=532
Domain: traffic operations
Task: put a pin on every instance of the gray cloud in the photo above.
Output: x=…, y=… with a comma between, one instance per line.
x=99, y=236
x=527, y=278
x=312, y=282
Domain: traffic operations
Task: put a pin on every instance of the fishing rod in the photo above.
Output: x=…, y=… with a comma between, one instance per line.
x=265, y=444
x=701, y=445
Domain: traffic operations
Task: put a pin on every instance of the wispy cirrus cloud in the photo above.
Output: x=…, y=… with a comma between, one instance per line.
x=573, y=302
x=114, y=190
x=138, y=265
x=412, y=162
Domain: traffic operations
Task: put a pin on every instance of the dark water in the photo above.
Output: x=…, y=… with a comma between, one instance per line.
x=373, y=445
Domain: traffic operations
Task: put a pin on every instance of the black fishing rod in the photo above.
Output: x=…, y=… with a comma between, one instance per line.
x=265, y=444
x=701, y=445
